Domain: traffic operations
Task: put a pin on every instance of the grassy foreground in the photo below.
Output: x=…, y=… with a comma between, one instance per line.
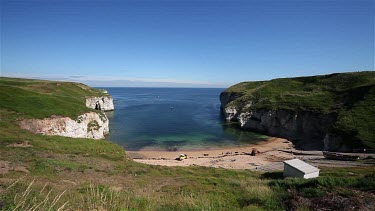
x=349, y=95
x=50, y=172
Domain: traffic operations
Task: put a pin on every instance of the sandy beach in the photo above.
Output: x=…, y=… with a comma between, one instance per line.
x=272, y=150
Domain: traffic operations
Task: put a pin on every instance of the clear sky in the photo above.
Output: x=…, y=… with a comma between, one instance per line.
x=184, y=43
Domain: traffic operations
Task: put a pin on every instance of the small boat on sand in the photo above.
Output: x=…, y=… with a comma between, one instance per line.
x=339, y=156
x=182, y=157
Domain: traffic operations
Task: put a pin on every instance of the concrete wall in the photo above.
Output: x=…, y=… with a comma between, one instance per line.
x=292, y=172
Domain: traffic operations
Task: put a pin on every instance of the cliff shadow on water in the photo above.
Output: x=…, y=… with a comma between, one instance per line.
x=306, y=130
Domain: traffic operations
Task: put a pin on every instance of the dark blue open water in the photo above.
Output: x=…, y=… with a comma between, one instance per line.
x=171, y=118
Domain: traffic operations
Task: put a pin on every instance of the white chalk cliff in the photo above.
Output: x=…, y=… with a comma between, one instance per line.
x=93, y=125
x=88, y=125
x=104, y=103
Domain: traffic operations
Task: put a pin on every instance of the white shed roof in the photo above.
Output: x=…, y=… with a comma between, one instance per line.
x=301, y=166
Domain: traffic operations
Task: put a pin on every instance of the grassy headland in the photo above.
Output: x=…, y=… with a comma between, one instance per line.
x=349, y=95
x=39, y=98
x=53, y=172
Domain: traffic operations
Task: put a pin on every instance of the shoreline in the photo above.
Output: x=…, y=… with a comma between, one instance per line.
x=207, y=148
x=272, y=150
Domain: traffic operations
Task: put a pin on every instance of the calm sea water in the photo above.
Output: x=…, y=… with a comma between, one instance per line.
x=171, y=118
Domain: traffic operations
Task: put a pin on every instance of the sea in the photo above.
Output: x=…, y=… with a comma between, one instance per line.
x=172, y=119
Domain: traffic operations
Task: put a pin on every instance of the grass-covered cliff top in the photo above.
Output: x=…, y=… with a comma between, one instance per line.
x=41, y=98
x=318, y=93
x=350, y=95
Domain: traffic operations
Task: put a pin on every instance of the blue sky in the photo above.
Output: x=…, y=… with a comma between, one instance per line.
x=184, y=43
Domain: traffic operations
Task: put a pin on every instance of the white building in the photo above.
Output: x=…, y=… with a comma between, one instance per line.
x=298, y=168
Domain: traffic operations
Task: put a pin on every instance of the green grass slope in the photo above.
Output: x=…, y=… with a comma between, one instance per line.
x=84, y=174
x=39, y=99
x=350, y=95
x=52, y=172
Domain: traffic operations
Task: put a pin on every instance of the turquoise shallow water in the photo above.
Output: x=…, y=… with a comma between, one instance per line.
x=172, y=118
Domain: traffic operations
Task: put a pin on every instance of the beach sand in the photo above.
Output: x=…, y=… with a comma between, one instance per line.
x=272, y=150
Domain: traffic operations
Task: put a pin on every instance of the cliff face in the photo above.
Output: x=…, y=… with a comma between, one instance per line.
x=55, y=107
x=104, y=103
x=309, y=130
x=88, y=125
x=331, y=112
